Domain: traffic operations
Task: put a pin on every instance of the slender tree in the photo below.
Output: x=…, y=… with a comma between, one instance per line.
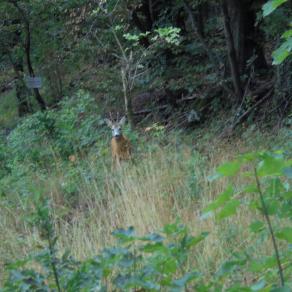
x=27, y=48
x=234, y=65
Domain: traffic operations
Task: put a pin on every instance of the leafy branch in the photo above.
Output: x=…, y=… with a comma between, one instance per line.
x=266, y=214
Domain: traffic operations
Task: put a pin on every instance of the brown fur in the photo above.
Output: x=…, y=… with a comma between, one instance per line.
x=121, y=149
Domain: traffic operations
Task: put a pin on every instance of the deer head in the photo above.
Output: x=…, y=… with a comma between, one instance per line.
x=116, y=126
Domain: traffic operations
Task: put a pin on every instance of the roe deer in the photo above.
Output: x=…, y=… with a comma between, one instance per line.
x=120, y=145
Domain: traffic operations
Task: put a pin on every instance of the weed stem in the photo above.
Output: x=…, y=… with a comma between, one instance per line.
x=51, y=249
x=265, y=211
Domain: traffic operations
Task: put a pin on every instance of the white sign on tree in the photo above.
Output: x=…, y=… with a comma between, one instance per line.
x=33, y=82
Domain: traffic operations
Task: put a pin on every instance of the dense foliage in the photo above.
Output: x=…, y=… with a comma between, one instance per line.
x=217, y=53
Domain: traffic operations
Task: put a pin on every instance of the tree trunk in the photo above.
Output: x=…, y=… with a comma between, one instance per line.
x=213, y=57
x=37, y=94
x=23, y=104
x=247, y=37
x=127, y=99
x=20, y=88
x=200, y=18
x=234, y=67
x=59, y=77
x=144, y=23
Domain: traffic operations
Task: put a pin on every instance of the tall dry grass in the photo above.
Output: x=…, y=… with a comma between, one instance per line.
x=159, y=187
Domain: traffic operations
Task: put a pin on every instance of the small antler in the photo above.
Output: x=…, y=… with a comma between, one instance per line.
x=109, y=121
x=111, y=116
x=122, y=121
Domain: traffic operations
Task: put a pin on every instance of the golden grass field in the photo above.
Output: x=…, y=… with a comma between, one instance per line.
x=163, y=184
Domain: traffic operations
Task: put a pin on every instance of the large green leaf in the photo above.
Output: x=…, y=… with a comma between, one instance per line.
x=229, y=266
x=194, y=240
x=156, y=247
x=252, y=188
x=228, y=210
x=262, y=264
x=256, y=226
x=283, y=52
x=167, y=265
x=271, y=165
x=287, y=34
x=272, y=5
x=220, y=200
x=230, y=168
x=285, y=233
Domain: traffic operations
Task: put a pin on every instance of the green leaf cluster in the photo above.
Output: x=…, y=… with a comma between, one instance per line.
x=268, y=193
x=285, y=49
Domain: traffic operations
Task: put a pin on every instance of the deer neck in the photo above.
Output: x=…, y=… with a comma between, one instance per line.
x=118, y=138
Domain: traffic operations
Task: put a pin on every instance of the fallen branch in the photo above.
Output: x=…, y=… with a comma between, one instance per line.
x=246, y=113
x=188, y=98
x=162, y=107
x=230, y=129
x=147, y=111
x=265, y=86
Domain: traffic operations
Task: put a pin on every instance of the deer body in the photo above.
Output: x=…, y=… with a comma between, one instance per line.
x=120, y=145
x=120, y=148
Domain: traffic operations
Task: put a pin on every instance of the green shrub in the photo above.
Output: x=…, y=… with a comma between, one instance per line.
x=31, y=139
x=78, y=124
x=269, y=193
x=75, y=126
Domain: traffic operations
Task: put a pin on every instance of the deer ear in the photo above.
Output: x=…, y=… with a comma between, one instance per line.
x=108, y=122
x=122, y=121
